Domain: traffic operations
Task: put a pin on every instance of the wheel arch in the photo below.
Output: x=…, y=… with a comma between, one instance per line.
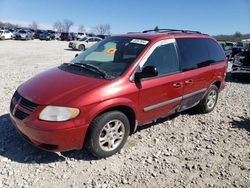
x=129, y=112
x=217, y=84
x=125, y=106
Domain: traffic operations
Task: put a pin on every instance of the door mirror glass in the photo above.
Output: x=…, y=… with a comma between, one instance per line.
x=147, y=72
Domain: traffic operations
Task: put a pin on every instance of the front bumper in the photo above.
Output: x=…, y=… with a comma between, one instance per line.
x=72, y=45
x=51, y=139
x=20, y=37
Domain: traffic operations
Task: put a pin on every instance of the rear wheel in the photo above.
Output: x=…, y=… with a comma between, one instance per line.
x=81, y=47
x=208, y=103
x=107, y=134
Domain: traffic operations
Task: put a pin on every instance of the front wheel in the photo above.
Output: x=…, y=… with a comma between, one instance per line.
x=81, y=47
x=108, y=134
x=208, y=103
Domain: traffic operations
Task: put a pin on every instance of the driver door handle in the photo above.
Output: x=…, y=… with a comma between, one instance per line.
x=178, y=85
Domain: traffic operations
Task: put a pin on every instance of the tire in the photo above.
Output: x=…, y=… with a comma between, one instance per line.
x=3, y=38
x=208, y=103
x=81, y=47
x=107, y=134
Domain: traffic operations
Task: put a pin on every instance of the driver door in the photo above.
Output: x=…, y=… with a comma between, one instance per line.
x=161, y=95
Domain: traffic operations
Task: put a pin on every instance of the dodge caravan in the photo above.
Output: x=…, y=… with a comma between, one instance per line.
x=103, y=94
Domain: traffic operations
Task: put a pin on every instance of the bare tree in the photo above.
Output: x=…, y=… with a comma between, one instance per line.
x=8, y=25
x=102, y=29
x=58, y=26
x=67, y=24
x=34, y=25
x=81, y=29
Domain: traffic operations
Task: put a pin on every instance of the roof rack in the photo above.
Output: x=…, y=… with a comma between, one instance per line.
x=172, y=31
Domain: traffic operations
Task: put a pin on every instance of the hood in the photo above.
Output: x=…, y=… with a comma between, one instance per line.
x=56, y=86
x=74, y=42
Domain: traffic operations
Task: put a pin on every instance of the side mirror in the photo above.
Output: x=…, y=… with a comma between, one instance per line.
x=147, y=72
x=76, y=55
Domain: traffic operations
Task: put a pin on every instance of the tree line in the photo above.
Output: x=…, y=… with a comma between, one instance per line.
x=64, y=26
x=237, y=36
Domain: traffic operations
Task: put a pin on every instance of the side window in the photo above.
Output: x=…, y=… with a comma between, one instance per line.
x=164, y=58
x=193, y=53
x=215, y=51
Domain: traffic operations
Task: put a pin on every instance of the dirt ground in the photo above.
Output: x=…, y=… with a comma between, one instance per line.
x=187, y=150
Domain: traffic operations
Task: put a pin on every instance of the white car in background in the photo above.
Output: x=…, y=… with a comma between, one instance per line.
x=81, y=35
x=5, y=34
x=84, y=43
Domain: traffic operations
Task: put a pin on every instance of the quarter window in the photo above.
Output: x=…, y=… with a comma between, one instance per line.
x=215, y=51
x=164, y=58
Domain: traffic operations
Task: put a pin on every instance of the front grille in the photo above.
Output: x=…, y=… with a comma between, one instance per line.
x=20, y=114
x=14, y=100
x=20, y=107
x=28, y=104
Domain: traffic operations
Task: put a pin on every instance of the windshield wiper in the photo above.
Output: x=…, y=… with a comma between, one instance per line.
x=92, y=68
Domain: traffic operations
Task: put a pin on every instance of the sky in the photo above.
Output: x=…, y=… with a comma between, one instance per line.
x=208, y=16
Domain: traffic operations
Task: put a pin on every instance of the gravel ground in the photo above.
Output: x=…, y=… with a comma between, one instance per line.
x=188, y=150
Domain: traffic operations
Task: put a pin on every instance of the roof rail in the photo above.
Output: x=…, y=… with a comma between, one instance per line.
x=172, y=31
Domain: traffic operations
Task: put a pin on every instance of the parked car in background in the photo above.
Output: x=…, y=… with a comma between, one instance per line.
x=227, y=47
x=84, y=43
x=236, y=49
x=68, y=36
x=125, y=81
x=241, y=65
x=57, y=35
x=23, y=35
x=38, y=33
x=65, y=37
x=103, y=36
x=5, y=34
x=47, y=35
x=80, y=35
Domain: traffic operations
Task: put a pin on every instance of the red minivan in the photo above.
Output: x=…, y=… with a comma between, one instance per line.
x=122, y=82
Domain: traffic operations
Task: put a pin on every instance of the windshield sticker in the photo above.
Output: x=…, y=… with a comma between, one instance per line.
x=139, y=41
x=111, y=51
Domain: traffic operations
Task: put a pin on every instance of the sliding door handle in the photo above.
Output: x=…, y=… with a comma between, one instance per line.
x=189, y=82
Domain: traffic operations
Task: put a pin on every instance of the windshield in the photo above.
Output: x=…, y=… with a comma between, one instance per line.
x=22, y=31
x=113, y=55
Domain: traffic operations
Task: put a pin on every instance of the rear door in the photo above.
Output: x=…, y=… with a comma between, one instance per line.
x=161, y=95
x=196, y=69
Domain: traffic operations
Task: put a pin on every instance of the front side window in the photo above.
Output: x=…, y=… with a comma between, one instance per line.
x=113, y=56
x=164, y=58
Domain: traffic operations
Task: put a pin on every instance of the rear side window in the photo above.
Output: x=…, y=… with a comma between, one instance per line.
x=198, y=52
x=215, y=51
x=193, y=53
x=164, y=58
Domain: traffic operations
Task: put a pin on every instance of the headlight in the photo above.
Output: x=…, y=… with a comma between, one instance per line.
x=58, y=113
